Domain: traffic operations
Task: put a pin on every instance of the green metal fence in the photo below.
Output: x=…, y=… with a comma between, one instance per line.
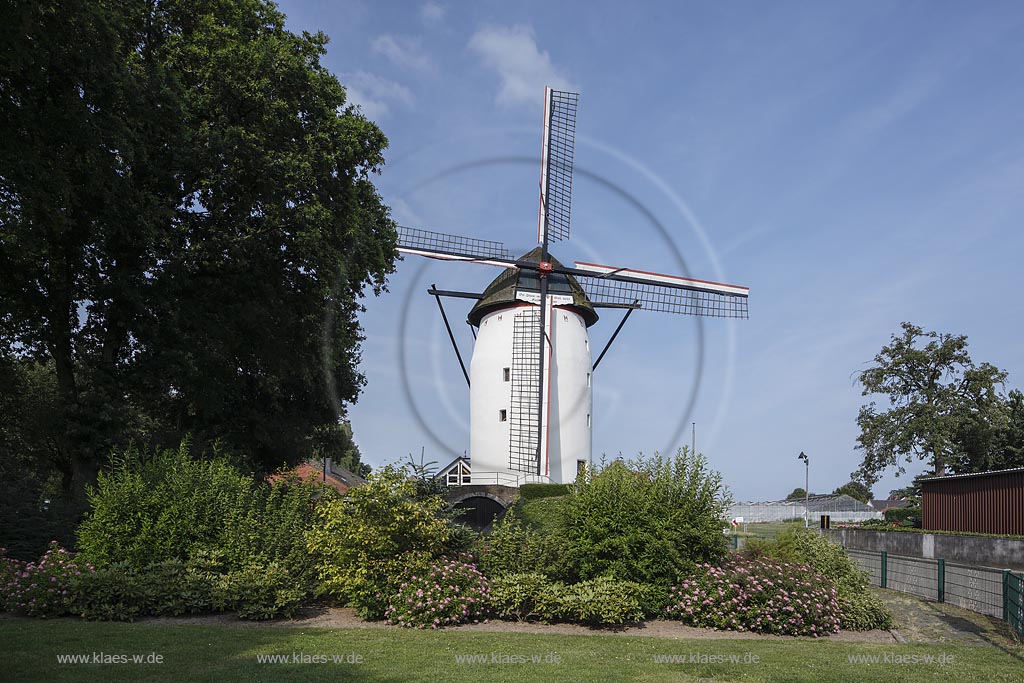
x=998, y=593
x=1013, y=601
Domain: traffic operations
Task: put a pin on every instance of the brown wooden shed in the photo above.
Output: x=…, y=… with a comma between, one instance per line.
x=986, y=502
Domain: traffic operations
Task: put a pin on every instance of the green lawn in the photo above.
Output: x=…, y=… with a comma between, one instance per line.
x=229, y=653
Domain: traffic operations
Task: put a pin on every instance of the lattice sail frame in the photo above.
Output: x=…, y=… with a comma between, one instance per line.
x=556, y=165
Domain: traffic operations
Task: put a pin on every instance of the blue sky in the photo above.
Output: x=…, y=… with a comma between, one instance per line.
x=855, y=164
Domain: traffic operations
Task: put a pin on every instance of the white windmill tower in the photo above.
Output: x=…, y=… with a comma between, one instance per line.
x=531, y=372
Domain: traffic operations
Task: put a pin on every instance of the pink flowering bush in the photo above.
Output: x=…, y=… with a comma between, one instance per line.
x=449, y=592
x=758, y=595
x=43, y=588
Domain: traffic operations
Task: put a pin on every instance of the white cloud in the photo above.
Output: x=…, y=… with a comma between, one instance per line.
x=404, y=52
x=432, y=13
x=524, y=68
x=375, y=95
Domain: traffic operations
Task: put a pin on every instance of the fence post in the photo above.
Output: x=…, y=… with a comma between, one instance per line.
x=1006, y=595
x=885, y=569
x=942, y=580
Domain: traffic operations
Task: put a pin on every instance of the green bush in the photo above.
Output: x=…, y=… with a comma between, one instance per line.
x=173, y=507
x=599, y=601
x=907, y=516
x=542, y=514
x=653, y=598
x=365, y=543
x=526, y=596
x=863, y=611
x=647, y=521
x=258, y=591
x=449, y=592
x=514, y=548
x=114, y=593
x=537, y=491
x=602, y=601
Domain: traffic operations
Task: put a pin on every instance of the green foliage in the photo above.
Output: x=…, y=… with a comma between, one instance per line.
x=863, y=611
x=515, y=548
x=992, y=437
x=117, y=592
x=526, y=596
x=860, y=609
x=935, y=393
x=856, y=490
x=170, y=506
x=542, y=514
x=759, y=595
x=647, y=521
x=447, y=593
x=798, y=494
x=258, y=591
x=535, y=491
x=905, y=516
x=187, y=224
x=362, y=543
x=603, y=600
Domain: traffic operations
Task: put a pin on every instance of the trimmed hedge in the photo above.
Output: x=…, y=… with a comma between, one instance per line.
x=535, y=491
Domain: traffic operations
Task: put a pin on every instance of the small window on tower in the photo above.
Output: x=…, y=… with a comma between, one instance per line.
x=506, y=374
x=502, y=415
x=588, y=420
x=588, y=379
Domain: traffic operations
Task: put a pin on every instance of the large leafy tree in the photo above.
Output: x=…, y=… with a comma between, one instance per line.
x=856, y=490
x=933, y=390
x=992, y=439
x=187, y=222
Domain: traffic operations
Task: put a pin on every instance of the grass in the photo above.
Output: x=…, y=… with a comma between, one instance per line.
x=228, y=653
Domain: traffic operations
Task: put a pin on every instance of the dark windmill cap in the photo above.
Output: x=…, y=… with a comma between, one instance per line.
x=501, y=293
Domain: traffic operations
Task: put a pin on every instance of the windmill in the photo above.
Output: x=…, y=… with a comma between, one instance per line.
x=530, y=376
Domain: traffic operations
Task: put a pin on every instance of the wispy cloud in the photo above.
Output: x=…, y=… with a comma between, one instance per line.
x=375, y=95
x=523, y=67
x=404, y=52
x=432, y=13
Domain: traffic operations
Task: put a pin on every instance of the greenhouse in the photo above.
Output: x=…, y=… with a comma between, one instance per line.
x=839, y=507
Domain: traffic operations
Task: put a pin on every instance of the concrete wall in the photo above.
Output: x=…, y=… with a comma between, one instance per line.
x=1001, y=553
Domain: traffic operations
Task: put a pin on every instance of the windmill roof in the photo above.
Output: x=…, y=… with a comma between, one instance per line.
x=502, y=290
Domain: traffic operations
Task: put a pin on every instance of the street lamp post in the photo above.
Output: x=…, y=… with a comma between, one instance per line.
x=807, y=484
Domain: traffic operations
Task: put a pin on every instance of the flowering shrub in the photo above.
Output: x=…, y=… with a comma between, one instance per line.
x=449, y=592
x=758, y=595
x=43, y=588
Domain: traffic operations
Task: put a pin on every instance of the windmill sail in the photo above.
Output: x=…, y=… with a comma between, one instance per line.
x=556, y=165
x=441, y=245
x=661, y=293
